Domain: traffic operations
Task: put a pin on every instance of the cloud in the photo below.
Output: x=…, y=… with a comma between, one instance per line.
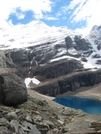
x=76, y=12
x=58, y=14
x=51, y=18
x=18, y=14
x=71, y=6
x=85, y=10
x=38, y=7
x=75, y=3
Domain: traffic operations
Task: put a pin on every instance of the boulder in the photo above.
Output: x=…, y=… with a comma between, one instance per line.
x=12, y=89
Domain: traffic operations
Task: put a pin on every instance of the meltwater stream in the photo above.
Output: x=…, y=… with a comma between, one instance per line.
x=88, y=105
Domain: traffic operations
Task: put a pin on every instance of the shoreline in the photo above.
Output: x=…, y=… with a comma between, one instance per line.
x=46, y=98
x=91, y=91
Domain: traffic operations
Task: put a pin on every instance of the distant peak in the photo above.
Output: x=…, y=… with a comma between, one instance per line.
x=95, y=27
x=36, y=22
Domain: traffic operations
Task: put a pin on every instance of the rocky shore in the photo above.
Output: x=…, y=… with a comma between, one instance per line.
x=25, y=111
x=40, y=115
x=34, y=117
x=92, y=91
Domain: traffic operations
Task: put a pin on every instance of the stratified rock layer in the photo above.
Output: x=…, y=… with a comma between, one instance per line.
x=71, y=82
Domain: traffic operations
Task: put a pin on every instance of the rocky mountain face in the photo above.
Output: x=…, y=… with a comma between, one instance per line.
x=95, y=36
x=58, y=58
x=95, y=39
x=48, y=52
x=46, y=60
x=38, y=46
x=70, y=82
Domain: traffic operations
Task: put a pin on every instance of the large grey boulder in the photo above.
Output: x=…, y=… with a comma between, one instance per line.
x=12, y=89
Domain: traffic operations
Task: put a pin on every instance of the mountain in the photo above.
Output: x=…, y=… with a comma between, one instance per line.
x=33, y=34
x=95, y=40
x=47, y=52
x=62, y=60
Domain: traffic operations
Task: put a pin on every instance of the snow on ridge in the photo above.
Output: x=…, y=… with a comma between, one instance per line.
x=95, y=39
x=73, y=51
x=64, y=57
x=37, y=33
x=34, y=33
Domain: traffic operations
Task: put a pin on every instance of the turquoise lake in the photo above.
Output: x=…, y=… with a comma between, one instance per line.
x=88, y=105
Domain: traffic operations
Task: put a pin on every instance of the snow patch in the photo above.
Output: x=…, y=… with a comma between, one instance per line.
x=34, y=80
x=73, y=51
x=64, y=57
x=95, y=39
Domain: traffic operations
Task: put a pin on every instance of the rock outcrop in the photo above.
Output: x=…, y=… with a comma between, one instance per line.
x=6, y=63
x=35, y=62
x=69, y=42
x=30, y=61
x=57, y=68
x=81, y=43
x=12, y=90
x=42, y=50
x=69, y=82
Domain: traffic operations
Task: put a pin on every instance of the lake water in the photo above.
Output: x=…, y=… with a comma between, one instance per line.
x=88, y=105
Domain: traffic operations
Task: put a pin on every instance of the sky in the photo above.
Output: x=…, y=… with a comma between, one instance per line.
x=79, y=15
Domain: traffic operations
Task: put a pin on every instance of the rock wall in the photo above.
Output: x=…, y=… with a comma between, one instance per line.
x=33, y=60
x=69, y=83
x=81, y=43
x=26, y=63
x=58, y=68
x=5, y=63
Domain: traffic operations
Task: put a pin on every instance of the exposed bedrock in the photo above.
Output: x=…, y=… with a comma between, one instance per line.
x=57, y=68
x=79, y=43
x=30, y=61
x=38, y=63
x=69, y=83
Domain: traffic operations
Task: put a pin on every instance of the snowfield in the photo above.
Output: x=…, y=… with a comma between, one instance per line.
x=36, y=33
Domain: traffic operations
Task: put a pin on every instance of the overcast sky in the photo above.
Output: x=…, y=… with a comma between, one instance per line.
x=79, y=15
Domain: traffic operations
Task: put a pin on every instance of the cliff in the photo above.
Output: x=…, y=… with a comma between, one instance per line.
x=70, y=82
